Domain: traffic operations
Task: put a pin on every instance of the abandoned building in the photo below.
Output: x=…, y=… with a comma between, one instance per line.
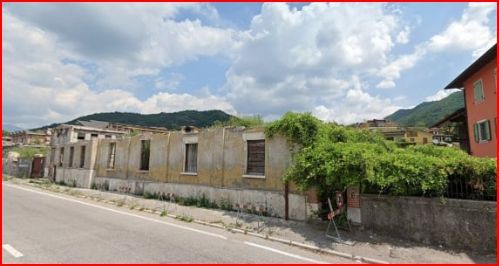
x=65, y=133
x=27, y=137
x=233, y=165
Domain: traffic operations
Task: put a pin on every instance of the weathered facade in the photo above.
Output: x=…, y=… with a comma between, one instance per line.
x=26, y=137
x=479, y=82
x=127, y=128
x=221, y=164
x=70, y=134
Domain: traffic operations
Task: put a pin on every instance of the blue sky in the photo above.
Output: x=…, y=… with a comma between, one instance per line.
x=342, y=62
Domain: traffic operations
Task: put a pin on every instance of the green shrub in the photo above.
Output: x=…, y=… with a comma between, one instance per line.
x=149, y=195
x=29, y=152
x=250, y=121
x=226, y=205
x=332, y=157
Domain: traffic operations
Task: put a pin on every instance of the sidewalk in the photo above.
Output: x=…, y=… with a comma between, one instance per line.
x=362, y=244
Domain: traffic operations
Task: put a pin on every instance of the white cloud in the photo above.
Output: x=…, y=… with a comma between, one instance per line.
x=297, y=60
x=40, y=88
x=125, y=41
x=61, y=61
x=439, y=95
x=403, y=36
x=470, y=33
x=392, y=71
x=169, y=83
x=356, y=106
x=168, y=102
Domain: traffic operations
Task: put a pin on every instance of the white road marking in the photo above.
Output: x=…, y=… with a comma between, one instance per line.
x=14, y=252
x=284, y=253
x=121, y=212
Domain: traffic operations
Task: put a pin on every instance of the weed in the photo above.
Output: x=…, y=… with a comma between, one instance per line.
x=188, y=201
x=149, y=195
x=226, y=205
x=185, y=218
x=163, y=213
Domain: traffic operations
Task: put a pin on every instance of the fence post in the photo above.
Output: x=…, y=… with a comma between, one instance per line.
x=353, y=204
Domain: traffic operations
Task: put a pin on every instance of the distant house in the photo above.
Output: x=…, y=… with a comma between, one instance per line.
x=7, y=141
x=392, y=131
x=479, y=82
x=377, y=123
x=408, y=135
x=26, y=137
x=452, y=130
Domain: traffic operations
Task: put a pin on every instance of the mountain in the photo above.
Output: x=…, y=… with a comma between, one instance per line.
x=428, y=113
x=10, y=128
x=169, y=120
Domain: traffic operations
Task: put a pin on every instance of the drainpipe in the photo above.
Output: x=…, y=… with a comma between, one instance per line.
x=286, y=200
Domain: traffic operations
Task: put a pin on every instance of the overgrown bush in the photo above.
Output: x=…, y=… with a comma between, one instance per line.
x=250, y=121
x=334, y=157
x=29, y=152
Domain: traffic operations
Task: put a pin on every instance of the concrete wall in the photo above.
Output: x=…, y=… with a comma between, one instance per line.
x=271, y=200
x=458, y=224
x=221, y=159
x=82, y=176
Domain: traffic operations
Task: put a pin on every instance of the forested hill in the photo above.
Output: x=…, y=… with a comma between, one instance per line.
x=168, y=120
x=428, y=113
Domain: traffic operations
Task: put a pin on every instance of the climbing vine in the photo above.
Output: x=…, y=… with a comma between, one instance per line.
x=335, y=156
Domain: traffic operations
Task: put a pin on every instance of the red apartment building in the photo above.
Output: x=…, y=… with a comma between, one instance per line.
x=479, y=82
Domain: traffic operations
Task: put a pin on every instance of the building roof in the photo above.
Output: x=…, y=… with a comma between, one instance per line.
x=461, y=112
x=89, y=129
x=113, y=125
x=488, y=56
x=28, y=132
x=93, y=123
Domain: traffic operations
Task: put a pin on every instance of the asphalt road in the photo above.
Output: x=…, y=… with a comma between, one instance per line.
x=42, y=227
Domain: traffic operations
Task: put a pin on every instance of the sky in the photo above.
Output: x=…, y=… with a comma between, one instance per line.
x=343, y=62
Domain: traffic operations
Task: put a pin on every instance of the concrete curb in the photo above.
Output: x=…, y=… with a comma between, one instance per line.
x=241, y=231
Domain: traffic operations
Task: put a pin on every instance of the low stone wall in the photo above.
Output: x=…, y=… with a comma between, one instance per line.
x=274, y=201
x=75, y=177
x=452, y=223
